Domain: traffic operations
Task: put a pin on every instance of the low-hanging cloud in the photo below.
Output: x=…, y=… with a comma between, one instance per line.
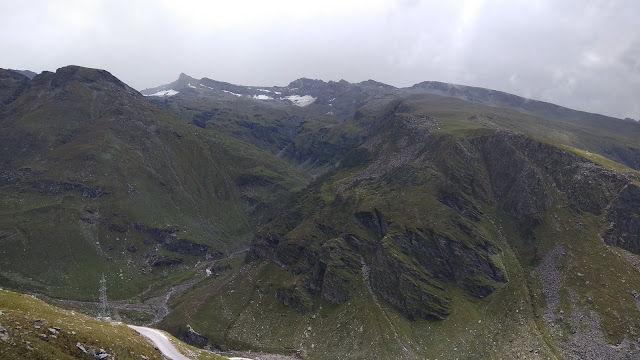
x=580, y=54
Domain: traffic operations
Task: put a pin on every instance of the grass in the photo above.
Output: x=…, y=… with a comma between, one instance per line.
x=25, y=318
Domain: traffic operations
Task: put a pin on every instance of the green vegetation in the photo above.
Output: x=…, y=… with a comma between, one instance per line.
x=402, y=227
x=27, y=322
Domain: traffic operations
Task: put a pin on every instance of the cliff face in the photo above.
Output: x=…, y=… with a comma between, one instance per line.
x=624, y=216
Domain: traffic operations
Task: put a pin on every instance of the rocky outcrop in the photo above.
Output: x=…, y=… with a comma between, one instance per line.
x=459, y=203
x=192, y=337
x=624, y=216
x=186, y=247
x=518, y=186
x=164, y=262
x=54, y=188
x=519, y=167
x=295, y=297
x=168, y=237
x=409, y=271
x=470, y=266
x=335, y=272
x=374, y=221
x=263, y=245
x=406, y=285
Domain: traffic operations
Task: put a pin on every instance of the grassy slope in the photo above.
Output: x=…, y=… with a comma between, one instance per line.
x=157, y=171
x=24, y=318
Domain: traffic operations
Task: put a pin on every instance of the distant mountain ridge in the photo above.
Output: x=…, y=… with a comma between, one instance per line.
x=325, y=91
x=343, y=100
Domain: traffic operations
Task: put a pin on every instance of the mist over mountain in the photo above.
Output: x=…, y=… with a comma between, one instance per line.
x=324, y=220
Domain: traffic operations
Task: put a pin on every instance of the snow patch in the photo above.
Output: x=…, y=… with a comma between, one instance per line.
x=262, y=97
x=264, y=90
x=169, y=92
x=277, y=92
x=191, y=86
x=301, y=101
x=229, y=92
x=208, y=87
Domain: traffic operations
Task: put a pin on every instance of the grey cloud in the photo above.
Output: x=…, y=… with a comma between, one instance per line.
x=580, y=54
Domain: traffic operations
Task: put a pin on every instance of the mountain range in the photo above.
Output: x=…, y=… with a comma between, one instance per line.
x=325, y=220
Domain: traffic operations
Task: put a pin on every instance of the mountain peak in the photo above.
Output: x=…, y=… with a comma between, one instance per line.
x=67, y=74
x=184, y=76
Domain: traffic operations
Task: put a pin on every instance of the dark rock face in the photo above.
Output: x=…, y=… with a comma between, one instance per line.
x=408, y=287
x=518, y=186
x=409, y=269
x=263, y=246
x=374, y=221
x=186, y=247
x=459, y=204
x=450, y=260
x=192, y=337
x=54, y=188
x=624, y=216
x=163, y=262
x=168, y=237
x=517, y=165
x=295, y=297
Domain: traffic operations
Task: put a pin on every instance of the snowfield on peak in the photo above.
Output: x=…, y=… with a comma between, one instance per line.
x=301, y=101
x=229, y=92
x=262, y=97
x=169, y=92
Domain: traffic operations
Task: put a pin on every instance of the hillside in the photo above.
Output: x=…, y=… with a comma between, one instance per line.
x=95, y=179
x=326, y=219
x=32, y=329
x=439, y=237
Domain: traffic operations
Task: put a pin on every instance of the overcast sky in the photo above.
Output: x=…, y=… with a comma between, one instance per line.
x=578, y=53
